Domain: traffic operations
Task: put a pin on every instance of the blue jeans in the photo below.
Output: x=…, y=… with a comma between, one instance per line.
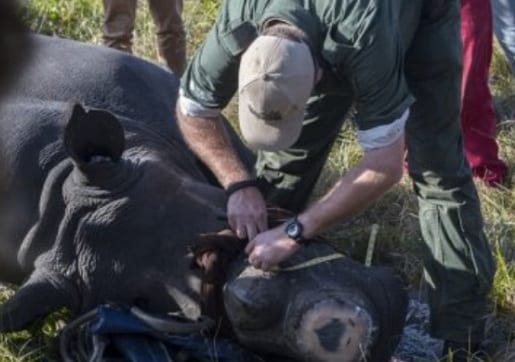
x=504, y=27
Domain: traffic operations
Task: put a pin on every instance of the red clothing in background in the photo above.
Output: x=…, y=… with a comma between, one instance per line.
x=477, y=114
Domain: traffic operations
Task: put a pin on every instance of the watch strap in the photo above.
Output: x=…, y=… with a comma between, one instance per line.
x=236, y=186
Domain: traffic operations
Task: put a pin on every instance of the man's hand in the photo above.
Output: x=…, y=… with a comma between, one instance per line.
x=246, y=211
x=270, y=248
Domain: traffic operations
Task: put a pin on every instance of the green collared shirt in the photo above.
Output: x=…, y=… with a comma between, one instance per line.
x=360, y=44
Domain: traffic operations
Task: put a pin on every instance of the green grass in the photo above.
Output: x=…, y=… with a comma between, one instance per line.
x=398, y=240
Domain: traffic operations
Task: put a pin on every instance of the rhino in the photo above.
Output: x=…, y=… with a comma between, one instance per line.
x=102, y=202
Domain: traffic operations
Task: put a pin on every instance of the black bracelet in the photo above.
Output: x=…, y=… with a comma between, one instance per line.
x=236, y=186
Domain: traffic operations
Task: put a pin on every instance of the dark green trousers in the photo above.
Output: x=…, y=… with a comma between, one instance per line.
x=459, y=266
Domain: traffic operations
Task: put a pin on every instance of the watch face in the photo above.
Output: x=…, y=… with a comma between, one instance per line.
x=294, y=230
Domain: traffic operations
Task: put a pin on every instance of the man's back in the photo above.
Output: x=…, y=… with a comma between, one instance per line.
x=355, y=20
x=360, y=44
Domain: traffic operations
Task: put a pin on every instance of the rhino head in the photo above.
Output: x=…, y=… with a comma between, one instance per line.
x=115, y=220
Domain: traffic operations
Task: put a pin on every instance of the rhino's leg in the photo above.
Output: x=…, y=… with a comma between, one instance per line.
x=42, y=294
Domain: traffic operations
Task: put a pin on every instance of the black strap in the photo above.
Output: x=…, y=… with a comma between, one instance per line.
x=236, y=186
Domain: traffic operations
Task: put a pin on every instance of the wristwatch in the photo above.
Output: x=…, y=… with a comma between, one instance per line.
x=294, y=229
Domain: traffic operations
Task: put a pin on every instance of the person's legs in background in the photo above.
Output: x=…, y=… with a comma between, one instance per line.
x=171, y=36
x=458, y=262
x=477, y=112
x=504, y=26
x=118, y=26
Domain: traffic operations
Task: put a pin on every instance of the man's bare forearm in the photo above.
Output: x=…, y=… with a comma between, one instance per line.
x=208, y=139
x=377, y=172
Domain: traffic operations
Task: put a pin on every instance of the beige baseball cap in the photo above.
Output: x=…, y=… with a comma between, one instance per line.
x=276, y=78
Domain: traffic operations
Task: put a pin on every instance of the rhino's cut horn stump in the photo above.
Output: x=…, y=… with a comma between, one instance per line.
x=333, y=330
x=327, y=325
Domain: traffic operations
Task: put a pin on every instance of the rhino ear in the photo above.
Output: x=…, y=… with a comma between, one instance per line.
x=93, y=134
